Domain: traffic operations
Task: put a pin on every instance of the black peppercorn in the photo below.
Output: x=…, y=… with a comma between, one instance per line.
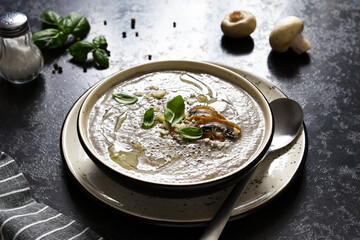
x=133, y=23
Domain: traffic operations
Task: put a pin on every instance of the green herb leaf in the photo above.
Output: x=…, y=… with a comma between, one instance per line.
x=175, y=110
x=191, y=132
x=42, y=37
x=50, y=17
x=100, y=57
x=148, y=119
x=79, y=24
x=100, y=42
x=124, y=98
x=80, y=50
x=45, y=34
x=66, y=25
x=58, y=41
x=49, y=38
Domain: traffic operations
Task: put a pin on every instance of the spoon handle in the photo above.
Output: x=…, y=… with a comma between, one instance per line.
x=217, y=224
x=288, y=119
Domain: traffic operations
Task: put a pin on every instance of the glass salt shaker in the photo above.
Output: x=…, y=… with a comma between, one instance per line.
x=20, y=59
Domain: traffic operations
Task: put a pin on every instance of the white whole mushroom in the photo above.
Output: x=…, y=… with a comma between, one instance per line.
x=287, y=34
x=238, y=24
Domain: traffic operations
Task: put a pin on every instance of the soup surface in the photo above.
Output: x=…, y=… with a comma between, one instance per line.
x=153, y=154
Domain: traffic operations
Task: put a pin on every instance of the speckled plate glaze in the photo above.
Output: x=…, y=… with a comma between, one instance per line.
x=271, y=177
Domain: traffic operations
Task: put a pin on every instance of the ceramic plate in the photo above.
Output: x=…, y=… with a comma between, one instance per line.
x=271, y=177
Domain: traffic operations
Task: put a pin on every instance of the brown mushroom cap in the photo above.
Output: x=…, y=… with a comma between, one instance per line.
x=238, y=24
x=284, y=33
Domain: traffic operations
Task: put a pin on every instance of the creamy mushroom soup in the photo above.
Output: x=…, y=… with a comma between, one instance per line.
x=158, y=153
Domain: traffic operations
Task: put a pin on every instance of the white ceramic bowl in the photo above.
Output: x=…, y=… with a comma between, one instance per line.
x=191, y=66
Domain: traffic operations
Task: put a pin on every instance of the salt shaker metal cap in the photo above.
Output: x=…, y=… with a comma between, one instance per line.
x=13, y=24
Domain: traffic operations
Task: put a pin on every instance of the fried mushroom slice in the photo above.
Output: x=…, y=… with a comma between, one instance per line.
x=205, y=111
x=218, y=129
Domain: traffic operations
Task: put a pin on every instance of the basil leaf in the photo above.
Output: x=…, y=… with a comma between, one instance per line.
x=101, y=57
x=175, y=110
x=124, y=98
x=79, y=24
x=49, y=38
x=191, y=132
x=100, y=42
x=50, y=17
x=66, y=25
x=45, y=34
x=148, y=119
x=58, y=41
x=42, y=37
x=80, y=50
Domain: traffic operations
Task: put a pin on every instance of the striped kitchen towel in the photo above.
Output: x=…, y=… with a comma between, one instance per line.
x=21, y=217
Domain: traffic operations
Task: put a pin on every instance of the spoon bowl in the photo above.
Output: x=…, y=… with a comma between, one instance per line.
x=288, y=118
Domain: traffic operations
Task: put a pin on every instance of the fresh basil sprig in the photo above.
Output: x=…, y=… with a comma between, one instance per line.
x=124, y=98
x=175, y=110
x=191, y=132
x=78, y=26
x=80, y=50
x=74, y=24
x=148, y=119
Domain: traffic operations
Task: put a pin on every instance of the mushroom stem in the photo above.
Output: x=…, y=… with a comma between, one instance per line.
x=300, y=44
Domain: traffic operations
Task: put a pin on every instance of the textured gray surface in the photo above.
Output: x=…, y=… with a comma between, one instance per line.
x=323, y=201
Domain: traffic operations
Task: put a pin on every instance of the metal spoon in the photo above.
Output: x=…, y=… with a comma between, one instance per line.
x=288, y=119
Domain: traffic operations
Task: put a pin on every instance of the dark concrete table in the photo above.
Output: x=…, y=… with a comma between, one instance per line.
x=322, y=202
